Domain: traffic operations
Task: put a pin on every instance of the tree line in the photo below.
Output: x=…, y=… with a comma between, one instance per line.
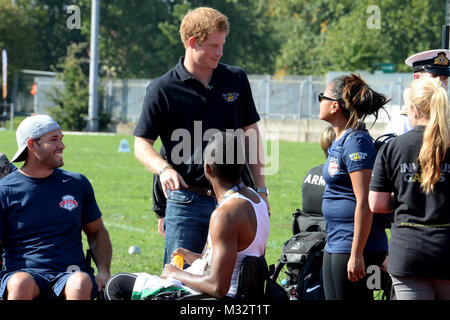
x=140, y=38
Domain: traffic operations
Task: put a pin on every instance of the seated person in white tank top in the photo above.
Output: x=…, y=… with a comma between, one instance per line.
x=239, y=227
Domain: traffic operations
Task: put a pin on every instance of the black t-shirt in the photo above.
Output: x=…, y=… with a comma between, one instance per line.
x=420, y=234
x=312, y=191
x=182, y=111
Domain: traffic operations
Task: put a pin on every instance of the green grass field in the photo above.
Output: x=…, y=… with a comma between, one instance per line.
x=123, y=190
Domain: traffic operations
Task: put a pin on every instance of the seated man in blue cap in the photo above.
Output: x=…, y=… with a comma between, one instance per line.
x=43, y=210
x=431, y=63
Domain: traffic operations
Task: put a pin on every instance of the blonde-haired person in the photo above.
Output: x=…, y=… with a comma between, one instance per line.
x=198, y=96
x=412, y=177
x=354, y=239
x=326, y=139
x=313, y=184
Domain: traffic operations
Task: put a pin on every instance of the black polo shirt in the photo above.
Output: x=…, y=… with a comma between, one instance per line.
x=180, y=109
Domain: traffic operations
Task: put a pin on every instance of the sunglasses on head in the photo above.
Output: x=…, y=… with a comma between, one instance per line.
x=321, y=97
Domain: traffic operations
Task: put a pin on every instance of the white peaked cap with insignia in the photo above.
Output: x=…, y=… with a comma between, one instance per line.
x=434, y=61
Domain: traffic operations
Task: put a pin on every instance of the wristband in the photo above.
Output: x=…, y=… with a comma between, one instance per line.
x=164, y=169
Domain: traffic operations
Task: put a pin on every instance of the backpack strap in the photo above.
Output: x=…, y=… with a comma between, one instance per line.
x=274, y=270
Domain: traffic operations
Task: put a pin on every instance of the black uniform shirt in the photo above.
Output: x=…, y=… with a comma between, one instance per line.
x=312, y=191
x=181, y=110
x=420, y=235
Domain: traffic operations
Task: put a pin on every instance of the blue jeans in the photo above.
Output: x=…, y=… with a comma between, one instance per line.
x=187, y=221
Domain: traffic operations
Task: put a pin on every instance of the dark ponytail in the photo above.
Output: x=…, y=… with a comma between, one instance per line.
x=356, y=99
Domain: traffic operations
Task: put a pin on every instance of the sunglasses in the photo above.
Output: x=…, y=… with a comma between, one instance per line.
x=321, y=97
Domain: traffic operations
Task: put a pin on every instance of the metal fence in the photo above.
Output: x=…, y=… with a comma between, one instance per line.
x=289, y=98
x=47, y=87
x=123, y=98
x=296, y=97
x=286, y=98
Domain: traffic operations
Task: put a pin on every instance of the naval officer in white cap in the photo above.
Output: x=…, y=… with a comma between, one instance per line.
x=431, y=63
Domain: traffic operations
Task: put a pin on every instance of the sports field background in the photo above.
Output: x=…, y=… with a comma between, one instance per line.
x=123, y=191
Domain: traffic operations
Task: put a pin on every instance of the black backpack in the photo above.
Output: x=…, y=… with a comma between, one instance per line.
x=385, y=220
x=381, y=140
x=302, y=255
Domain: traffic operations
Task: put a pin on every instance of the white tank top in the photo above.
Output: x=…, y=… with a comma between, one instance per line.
x=258, y=246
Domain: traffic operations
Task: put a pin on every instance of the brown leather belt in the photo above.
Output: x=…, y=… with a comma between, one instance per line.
x=204, y=192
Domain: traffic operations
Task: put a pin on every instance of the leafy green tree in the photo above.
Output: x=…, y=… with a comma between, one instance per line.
x=131, y=44
x=72, y=101
x=350, y=45
x=406, y=27
x=48, y=19
x=302, y=26
x=142, y=40
x=252, y=43
x=329, y=35
x=411, y=26
x=19, y=38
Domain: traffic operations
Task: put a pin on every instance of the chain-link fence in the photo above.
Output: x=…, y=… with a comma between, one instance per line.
x=292, y=97
x=296, y=97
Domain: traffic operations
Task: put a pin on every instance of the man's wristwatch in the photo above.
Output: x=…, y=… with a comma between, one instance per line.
x=263, y=190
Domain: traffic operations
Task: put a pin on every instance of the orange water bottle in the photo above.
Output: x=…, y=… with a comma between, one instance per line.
x=178, y=261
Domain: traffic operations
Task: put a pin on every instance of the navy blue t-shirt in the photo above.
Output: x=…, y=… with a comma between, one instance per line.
x=352, y=152
x=41, y=220
x=13, y=167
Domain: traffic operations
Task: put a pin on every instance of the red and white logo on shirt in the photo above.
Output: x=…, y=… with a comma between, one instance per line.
x=68, y=202
x=333, y=166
